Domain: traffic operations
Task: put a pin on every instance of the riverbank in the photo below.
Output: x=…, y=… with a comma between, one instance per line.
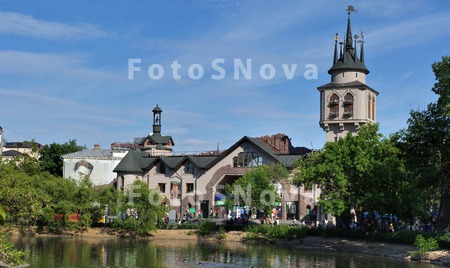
x=440, y=257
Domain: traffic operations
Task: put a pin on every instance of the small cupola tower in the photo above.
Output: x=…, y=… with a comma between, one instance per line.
x=156, y=144
x=346, y=103
x=157, y=119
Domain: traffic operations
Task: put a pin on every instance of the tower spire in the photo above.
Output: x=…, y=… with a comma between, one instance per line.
x=349, y=38
x=336, y=39
x=361, y=57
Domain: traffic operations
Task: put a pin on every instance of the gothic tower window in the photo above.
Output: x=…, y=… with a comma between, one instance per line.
x=334, y=105
x=373, y=107
x=348, y=105
x=369, y=105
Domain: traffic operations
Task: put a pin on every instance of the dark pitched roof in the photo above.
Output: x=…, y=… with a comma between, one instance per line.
x=131, y=163
x=12, y=153
x=172, y=161
x=137, y=161
x=255, y=141
x=348, y=62
x=22, y=144
x=355, y=83
x=155, y=138
x=202, y=161
x=288, y=160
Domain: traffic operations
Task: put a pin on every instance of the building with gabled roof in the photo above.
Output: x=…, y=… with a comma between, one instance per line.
x=96, y=163
x=197, y=182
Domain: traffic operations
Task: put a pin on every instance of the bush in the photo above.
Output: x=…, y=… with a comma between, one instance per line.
x=207, y=228
x=426, y=244
x=11, y=255
x=222, y=234
x=275, y=232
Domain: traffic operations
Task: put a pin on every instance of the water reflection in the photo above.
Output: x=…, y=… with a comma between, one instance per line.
x=89, y=252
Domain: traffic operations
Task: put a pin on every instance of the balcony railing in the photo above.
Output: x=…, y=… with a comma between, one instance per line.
x=333, y=114
x=333, y=102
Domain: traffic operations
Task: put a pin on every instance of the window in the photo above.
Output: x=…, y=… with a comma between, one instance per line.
x=175, y=191
x=348, y=105
x=162, y=187
x=373, y=107
x=334, y=105
x=161, y=168
x=248, y=158
x=189, y=168
x=189, y=187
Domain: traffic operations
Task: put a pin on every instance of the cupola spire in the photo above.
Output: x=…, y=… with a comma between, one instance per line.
x=349, y=38
x=336, y=39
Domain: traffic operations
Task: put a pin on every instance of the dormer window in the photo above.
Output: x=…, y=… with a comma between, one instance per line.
x=161, y=168
x=189, y=168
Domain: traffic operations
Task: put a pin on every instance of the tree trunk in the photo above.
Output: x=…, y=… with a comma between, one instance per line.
x=444, y=208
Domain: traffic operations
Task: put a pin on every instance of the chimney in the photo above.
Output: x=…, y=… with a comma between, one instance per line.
x=96, y=147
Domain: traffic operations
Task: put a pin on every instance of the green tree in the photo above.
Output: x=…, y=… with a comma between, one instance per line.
x=441, y=71
x=256, y=187
x=143, y=207
x=363, y=171
x=51, y=156
x=21, y=200
x=426, y=143
x=427, y=152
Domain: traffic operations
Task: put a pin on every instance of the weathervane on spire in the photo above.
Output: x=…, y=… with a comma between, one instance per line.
x=351, y=9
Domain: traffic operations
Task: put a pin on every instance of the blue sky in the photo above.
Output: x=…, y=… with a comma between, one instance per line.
x=64, y=67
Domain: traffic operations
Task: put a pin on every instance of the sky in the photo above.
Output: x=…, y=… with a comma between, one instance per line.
x=65, y=67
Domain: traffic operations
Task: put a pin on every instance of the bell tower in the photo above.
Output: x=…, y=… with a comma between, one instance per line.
x=157, y=119
x=347, y=103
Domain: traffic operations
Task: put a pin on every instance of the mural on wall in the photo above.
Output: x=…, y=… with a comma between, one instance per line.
x=82, y=169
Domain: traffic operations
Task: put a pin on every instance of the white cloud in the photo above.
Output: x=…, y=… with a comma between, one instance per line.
x=52, y=64
x=408, y=33
x=24, y=25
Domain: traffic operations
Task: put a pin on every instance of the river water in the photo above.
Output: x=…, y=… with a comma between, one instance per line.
x=115, y=252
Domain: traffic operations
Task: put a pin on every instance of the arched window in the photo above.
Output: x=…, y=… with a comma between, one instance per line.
x=348, y=105
x=373, y=107
x=189, y=168
x=334, y=105
x=247, y=158
x=369, y=106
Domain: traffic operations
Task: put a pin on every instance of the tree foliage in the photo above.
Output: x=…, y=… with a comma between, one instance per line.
x=441, y=71
x=144, y=208
x=50, y=159
x=426, y=143
x=362, y=171
x=31, y=198
x=256, y=187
